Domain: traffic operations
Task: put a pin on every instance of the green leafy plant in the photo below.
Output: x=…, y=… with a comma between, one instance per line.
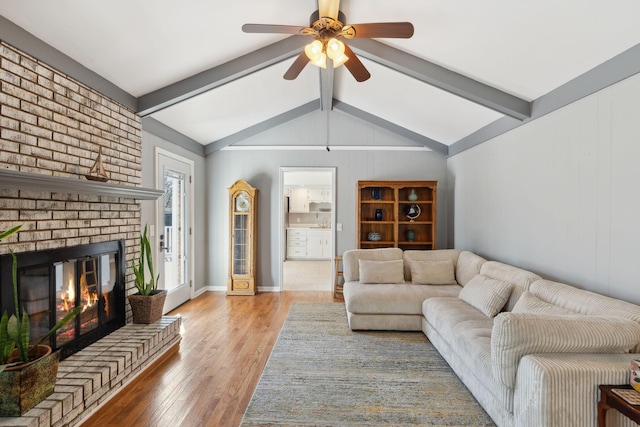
x=15, y=331
x=145, y=261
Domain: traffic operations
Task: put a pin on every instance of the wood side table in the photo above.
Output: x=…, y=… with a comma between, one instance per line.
x=339, y=279
x=608, y=399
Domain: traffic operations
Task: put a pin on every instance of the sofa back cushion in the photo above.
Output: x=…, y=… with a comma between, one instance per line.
x=435, y=255
x=433, y=273
x=468, y=267
x=529, y=303
x=584, y=302
x=351, y=266
x=521, y=279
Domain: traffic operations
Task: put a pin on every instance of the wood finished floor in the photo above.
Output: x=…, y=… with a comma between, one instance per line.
x=225, y=344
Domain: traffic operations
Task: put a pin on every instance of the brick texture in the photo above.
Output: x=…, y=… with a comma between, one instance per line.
x=53, y=125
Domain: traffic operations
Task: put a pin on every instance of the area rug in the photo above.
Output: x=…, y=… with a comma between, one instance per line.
x=320, y=373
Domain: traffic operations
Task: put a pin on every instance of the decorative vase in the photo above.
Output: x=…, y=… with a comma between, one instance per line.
x=24, y=386
x=147, y=308
x=378, y=214
x=411, y=235
x=413, y=196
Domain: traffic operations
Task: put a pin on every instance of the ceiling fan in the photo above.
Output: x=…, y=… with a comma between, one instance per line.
x=327, y=29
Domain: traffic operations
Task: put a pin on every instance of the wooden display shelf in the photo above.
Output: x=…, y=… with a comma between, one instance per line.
x=392, y=199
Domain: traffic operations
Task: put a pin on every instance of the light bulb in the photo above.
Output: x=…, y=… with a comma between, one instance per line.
x=315, y=54
x=335, y=51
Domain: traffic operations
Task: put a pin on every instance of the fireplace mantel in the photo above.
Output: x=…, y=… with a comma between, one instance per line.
x=58, y=184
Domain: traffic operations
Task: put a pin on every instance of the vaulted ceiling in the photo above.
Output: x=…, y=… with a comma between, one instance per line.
x=188, y=67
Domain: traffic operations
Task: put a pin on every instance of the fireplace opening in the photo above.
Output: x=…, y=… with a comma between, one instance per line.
x=53, y=282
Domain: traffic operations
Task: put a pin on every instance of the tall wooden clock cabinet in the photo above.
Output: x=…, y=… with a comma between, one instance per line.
x=243, y=204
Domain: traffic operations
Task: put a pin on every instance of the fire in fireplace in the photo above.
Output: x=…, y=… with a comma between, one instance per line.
x=52, y=282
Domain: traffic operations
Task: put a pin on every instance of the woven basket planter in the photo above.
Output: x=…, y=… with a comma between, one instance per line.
x=24, y=386
x=147, y=308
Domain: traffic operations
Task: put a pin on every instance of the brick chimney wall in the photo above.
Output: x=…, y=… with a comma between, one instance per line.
x=53, y=125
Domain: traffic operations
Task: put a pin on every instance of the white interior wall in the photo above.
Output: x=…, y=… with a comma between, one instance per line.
x=559, y=195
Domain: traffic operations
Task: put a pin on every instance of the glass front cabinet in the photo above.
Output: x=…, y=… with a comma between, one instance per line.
x=243, y=200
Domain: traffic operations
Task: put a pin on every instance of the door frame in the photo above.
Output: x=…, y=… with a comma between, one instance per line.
x=159, y=207
x=283, y=228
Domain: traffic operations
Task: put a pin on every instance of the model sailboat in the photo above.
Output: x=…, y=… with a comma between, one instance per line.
x=97, y=172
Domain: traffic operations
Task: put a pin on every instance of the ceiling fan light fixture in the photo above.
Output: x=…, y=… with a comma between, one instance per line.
x=314, y=52
x=335, y=51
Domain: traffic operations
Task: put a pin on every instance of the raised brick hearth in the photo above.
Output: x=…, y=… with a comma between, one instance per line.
x=89, y=378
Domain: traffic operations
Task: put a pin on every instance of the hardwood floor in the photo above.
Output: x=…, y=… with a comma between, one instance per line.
x=225, y=344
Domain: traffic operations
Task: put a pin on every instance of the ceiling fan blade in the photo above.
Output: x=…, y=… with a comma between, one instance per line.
x=329, y=8
x=355, y=66
x=297, y=67
x=268, y=28
x=395, y=30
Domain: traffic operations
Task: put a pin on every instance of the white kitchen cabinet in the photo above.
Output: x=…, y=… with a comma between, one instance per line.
x=296, y=244
x=299, y=200
x=319, y=244
x=320, y=194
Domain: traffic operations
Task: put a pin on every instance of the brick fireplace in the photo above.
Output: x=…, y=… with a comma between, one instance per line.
x=52, y=125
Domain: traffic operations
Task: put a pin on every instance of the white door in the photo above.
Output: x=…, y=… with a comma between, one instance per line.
x=174, y=228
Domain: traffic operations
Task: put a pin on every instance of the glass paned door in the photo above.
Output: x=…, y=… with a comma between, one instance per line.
x=174, y=229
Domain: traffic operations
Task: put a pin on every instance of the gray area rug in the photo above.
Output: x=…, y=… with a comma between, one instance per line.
x=322, y=374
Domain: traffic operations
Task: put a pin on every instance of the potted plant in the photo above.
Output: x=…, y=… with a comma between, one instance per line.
x=147, y=304
x=27, y=372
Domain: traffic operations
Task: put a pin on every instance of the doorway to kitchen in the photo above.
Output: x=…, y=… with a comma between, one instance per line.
x=308, y=228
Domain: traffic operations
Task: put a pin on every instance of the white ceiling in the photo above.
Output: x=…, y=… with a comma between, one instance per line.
x=526, y=49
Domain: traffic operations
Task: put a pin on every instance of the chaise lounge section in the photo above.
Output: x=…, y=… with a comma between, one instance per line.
x=531, y=351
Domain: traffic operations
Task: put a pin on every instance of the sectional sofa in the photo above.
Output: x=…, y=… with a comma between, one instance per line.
x=531, y=351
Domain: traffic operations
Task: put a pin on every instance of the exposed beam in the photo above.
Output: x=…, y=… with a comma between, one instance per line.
x=326, y=86
x=391, y=127
x=220, y=75
x=610, y=72
x=244, y=134
x=442, y=78
x=161, y=130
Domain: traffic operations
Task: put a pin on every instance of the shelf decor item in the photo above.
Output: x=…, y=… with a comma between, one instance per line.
x=378, y=214
x=411, y=235
x=413, y=196
x=413, y=212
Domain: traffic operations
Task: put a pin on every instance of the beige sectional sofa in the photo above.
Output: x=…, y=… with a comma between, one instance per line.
x=531, y=351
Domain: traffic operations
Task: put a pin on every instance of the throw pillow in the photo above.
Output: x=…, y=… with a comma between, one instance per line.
x=432, y=273
x=486, y=294
x=381, y=271
x=529, y=303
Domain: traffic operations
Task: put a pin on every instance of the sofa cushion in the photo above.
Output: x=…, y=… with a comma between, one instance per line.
x=381, y=271
x=468, y=267
x=521, y=279
x=432, y=273
x=428, y=255
x=529, y=303
x=392, y=299
x=351, y=257
x=486, y=294
x=516, y=335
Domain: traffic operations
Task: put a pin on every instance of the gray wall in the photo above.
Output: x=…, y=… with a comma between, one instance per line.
x=149, y=143
x=261, y=169
x=559, y=195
